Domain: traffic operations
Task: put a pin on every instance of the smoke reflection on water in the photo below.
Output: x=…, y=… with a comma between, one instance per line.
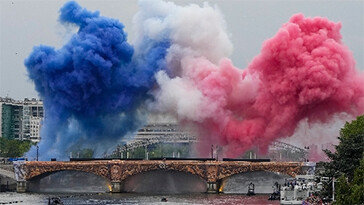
x=169, y=182
x=69, y=182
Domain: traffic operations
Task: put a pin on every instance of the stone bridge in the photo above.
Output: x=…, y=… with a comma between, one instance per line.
x=7, y=173
x=116, y=171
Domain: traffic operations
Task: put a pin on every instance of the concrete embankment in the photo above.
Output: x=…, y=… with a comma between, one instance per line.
x=7, y=178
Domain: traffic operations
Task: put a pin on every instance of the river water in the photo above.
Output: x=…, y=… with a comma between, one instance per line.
x=125, y=198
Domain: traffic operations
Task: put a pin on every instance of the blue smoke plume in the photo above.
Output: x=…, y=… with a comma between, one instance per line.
x=95, y=86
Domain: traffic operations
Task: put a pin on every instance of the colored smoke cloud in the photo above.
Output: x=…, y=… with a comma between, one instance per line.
x=318, y=136
x=94, y=87
x=304, y=72
x=97, y=87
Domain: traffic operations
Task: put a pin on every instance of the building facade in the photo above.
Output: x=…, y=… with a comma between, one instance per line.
x=32, y=119
x=11, y=118
x=21, y=120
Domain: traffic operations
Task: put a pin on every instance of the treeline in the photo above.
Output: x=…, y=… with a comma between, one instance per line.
x=346, y=165
x=14, y=148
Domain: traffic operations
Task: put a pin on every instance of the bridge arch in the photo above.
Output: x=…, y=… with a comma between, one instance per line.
x=68, y=181
x=164, y=181
x=121, y=173
x=263, y=181
x=165, y=170
x=226, y=171
x=99, y=170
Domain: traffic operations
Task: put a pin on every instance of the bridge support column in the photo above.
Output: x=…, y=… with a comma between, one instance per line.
x=21, y=186
x=116, y=187
x=213, y=187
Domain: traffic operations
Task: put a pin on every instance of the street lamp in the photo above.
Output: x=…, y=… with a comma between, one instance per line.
x=37, y=152
x=120, y=152
x=146, y=152
x=212, y=151
x=333, y=189
x=126, y=151
x=307, y=148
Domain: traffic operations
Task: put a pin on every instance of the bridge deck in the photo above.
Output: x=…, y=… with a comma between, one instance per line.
x=120, y=161
x=118, y=170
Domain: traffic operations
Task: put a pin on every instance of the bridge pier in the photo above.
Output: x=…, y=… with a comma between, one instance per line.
x=21, y=186
x=116, y=187
x=213, y=187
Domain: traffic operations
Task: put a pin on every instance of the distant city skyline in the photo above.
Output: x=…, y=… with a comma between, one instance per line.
x=24, y=24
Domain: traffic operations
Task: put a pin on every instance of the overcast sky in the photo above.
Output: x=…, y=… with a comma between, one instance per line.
x=26, y=23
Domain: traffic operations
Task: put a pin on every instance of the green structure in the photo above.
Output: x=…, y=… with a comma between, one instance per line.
x=11, y=120
x=21, y=120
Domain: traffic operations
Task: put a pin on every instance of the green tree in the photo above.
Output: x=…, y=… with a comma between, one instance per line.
x=14, y=148
x=87, y=153
x=345, y=163
x=342, y=191
x=138, y=153
x=167, y=150
x=355, y=127
x=83, y=152
x=77, y=151
x=157, y=151
x=351, y=193
x=357, y=186
x=348, y=152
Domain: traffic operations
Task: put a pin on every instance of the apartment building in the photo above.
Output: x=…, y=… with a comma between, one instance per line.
x=21, y=120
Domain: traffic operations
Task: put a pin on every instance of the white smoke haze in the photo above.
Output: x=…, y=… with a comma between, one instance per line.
x=200, y=31
x=163, y=118
x=319, y=133
x=318, y=136
x=178, y=96
x=193, y=30
x=199, y=46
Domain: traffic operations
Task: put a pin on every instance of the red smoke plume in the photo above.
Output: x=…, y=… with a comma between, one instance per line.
x=304, y=71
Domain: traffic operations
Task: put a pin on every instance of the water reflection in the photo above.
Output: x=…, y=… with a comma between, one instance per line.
x=124, y=198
